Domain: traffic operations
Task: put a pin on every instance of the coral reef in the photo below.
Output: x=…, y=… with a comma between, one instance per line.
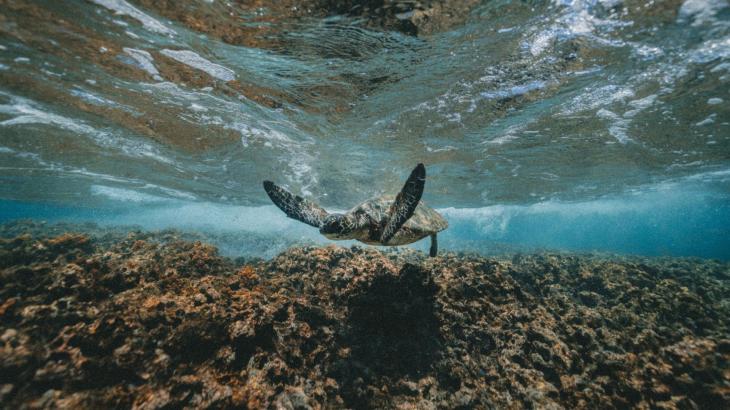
x=143, y=323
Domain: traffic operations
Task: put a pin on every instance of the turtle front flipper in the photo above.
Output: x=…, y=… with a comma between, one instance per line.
x=405, y=203
x=295, y=207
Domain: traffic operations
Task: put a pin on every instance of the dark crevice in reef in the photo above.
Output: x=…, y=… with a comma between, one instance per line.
x=392, y=331
x=393, y=325
x=163, y=323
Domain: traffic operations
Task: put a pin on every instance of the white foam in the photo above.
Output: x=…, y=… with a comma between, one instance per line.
x=183, y=214
x=618, y=126
x=490, y=213
x=700, y=12
x=722, y=175
x=125, y=195
x=515, y=91
x=494, y=221
x=643, y=103
x=640, y=105
x=721, y=67
x=144, y=60
x=172, y=196
x=172, y=192
x=509, y=135
x=50, y=73
x=69, y=170
x=541, y=42
x=502, y=139
x=250, y=134
x=91, y=98
x=710, y=50
x=292, y=146
x=299, y=159
x=25, y=112
x=576, y=19
x=131, y=148
x=593, y=98
x=198, y=107
x=63, y=169
x=194, y=60
x=707, y=121
x=647, y=52
x=714, y=101
x=445, y=148
x=491, y=220
x=121, y=7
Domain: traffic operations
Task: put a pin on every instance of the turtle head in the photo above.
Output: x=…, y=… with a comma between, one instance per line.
x=338, y=226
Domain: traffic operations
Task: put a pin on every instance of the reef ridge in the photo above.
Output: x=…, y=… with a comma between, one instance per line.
x=142, y=323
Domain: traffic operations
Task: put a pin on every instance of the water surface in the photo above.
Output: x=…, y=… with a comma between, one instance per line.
x=585, y=124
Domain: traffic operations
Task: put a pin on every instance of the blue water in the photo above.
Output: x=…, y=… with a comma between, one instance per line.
x=685, y=218
x=568, y=125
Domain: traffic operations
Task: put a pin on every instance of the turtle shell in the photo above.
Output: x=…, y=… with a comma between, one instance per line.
x=425, y=221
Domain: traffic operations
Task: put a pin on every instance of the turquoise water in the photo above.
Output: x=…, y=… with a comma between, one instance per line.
x=577, y=125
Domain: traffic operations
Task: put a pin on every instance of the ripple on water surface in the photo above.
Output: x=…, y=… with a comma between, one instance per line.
x=510, y=104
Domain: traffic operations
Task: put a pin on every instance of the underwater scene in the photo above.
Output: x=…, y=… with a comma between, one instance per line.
x=365, y=204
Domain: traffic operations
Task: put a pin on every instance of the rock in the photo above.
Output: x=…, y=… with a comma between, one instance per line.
x=293, y=398
x=151, y=321
x=199, y=299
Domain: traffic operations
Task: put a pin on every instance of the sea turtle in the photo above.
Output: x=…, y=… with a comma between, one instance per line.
x=385, y=220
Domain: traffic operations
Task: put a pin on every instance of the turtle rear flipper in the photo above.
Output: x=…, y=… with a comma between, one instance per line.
x=405, y=203
x=295, y=207
x=434, y=246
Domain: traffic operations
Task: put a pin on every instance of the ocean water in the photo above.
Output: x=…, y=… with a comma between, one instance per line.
x=583, y=125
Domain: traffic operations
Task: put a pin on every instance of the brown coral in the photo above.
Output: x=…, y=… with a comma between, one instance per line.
x=150, y=324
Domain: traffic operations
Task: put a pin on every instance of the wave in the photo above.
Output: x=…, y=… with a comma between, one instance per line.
x=688, y=217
